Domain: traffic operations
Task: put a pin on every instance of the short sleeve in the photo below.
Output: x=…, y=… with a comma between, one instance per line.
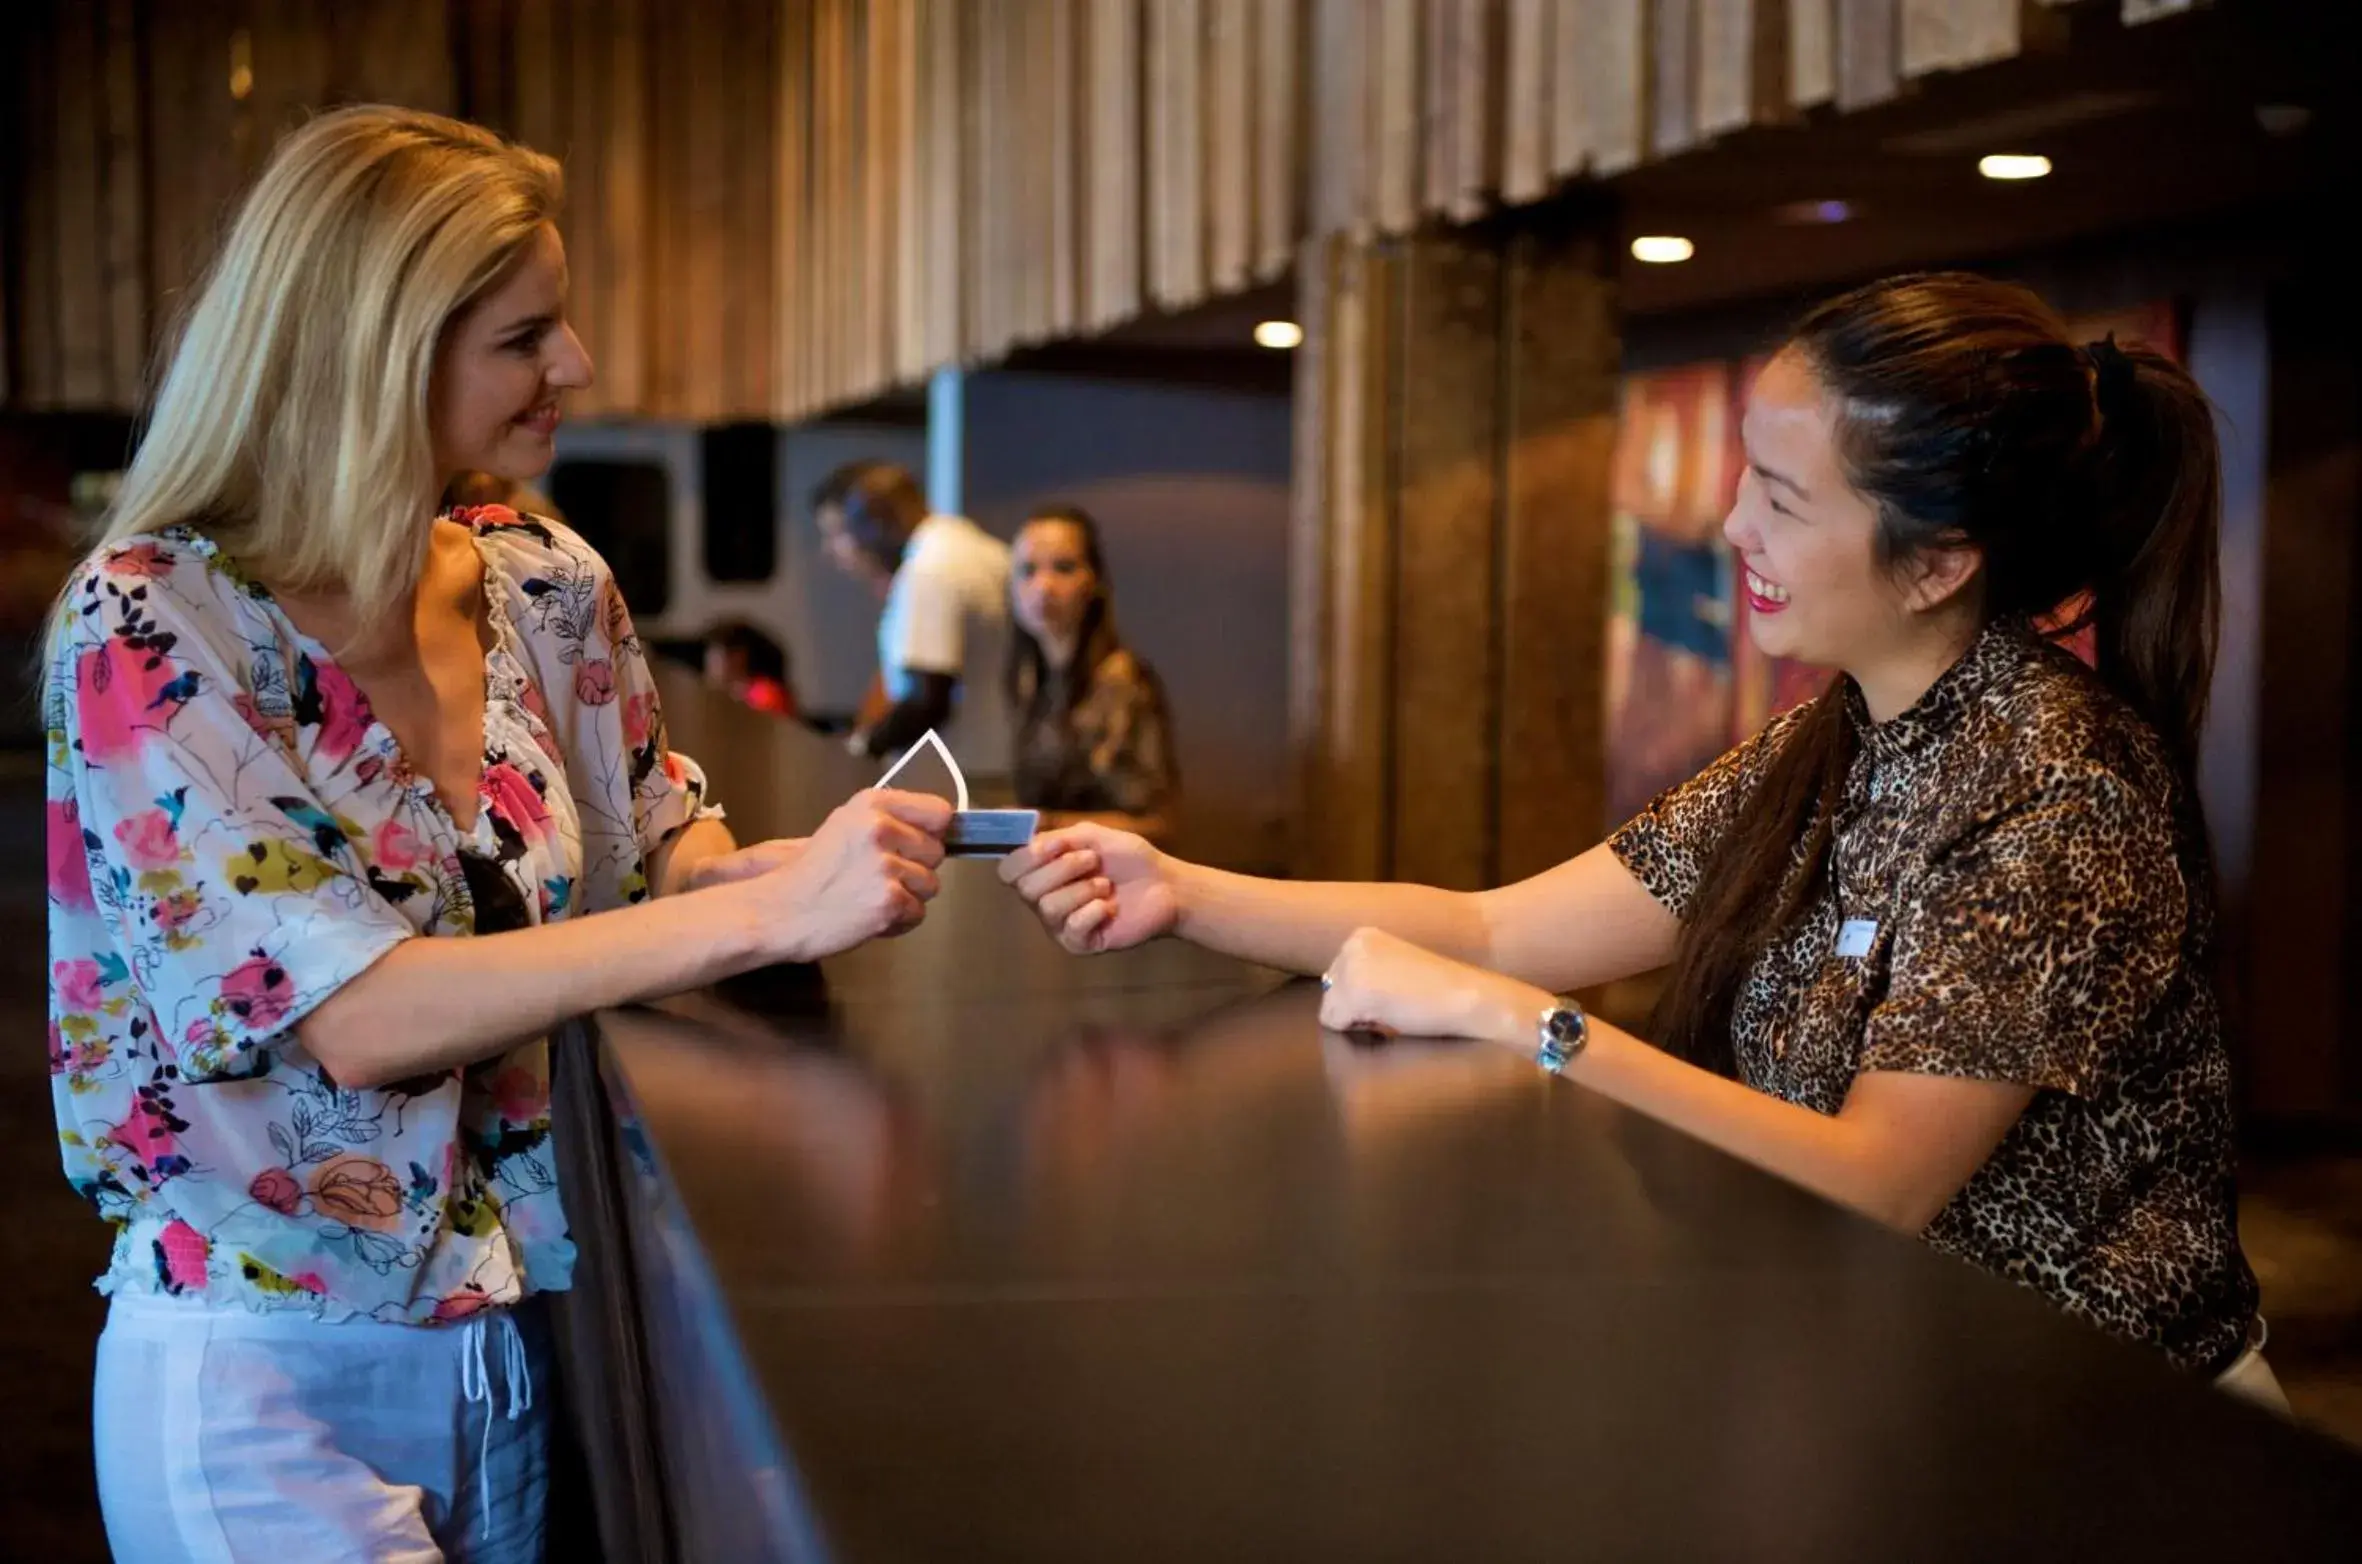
x=2039, y=946
x=928, y=630
x=668, y=789
x=1668, y=845
x=234, y=900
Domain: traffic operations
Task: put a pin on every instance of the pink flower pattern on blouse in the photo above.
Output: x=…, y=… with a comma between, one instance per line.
x=233, y=836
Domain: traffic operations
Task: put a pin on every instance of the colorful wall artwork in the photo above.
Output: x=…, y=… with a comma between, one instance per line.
x=1669, y=668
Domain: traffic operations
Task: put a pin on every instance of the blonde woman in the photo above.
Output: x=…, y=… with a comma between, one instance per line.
x=334, y=785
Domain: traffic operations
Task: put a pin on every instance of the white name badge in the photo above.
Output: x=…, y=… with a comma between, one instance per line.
x=1854, y=937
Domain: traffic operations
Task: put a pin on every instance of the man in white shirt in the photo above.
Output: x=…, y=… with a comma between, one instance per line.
x=943, y=635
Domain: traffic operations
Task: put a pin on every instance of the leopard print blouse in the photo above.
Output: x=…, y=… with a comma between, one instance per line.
x=2018, y=891
x=1108, y=750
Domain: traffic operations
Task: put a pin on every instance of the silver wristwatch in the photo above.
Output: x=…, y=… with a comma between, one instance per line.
x=1560, y=1034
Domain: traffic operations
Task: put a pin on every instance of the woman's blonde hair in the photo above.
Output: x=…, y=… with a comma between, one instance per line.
x=292, y=421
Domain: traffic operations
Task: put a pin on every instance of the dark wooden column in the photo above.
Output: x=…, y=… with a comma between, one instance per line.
x=1456, y=398
x=1447, y=496
x=2303, y=1049
x=1341, y=604
x=1563, y=355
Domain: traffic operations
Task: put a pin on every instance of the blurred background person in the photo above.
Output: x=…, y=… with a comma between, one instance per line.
x=944, y=583
x=1092, y=738
x=750, y=667
x=483, y=488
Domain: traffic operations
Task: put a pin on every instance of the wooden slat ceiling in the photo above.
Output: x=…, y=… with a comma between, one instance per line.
x=782, y=206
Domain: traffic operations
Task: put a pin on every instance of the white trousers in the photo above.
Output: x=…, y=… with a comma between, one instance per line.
x=230, y=1437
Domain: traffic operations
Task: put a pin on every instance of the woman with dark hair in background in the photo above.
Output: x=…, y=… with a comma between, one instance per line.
x=1092, y=739
x=1942, y=940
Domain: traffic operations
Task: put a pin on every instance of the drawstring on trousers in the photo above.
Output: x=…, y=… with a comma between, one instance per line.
x=476, y=1385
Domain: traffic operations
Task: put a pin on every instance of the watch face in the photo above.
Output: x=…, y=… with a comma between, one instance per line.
x=1565, y=1026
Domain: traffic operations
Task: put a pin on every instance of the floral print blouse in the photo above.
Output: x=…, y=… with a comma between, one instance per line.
x=233, y=836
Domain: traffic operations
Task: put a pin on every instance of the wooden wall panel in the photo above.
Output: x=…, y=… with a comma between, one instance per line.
x=910, y=162
x=83, y=362
x=1281, y=88
x=1527, y=59
x=748, y=306
x=1062, y=169
x=1012, y=184
x=872, y=264
x=75, y=127
x=197, y=170
x=1176, y=153
x=1230, y=144
x=1615, y=63
x=123, y=257
x=297, y=57
x=1564, y=357
x=542, y=67
x=1445, y=438
x=1867, y=57
x=582, y=56
x=624, y=216
x=39, y=311
x=391, y=51
x=1570, y=87
x=1044, y=97
x=482, y=59
x=1954, y=35
x=1028, y=221
x=1050, y=84
x=672, y=203
x=1111, y=163
x=1311, y=503
x=978, y=151
x=1812, y=52
x=1673, y=77
x=836, y=288
x=1394, y=129
x=1462, y=167
x=797, y=384
x=697, y=319
x=1343, y=120
x=781, y=206
x=943, y=130
x=1729, y=56
x=1451, y=551
x=861, y=278
x=1347, y=812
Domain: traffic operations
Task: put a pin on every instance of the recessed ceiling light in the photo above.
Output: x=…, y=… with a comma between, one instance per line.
x=1662, y=249
x=1281, y=334
x=2013, y=165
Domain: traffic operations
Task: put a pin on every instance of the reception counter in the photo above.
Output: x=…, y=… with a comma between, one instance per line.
x=960, y=1248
